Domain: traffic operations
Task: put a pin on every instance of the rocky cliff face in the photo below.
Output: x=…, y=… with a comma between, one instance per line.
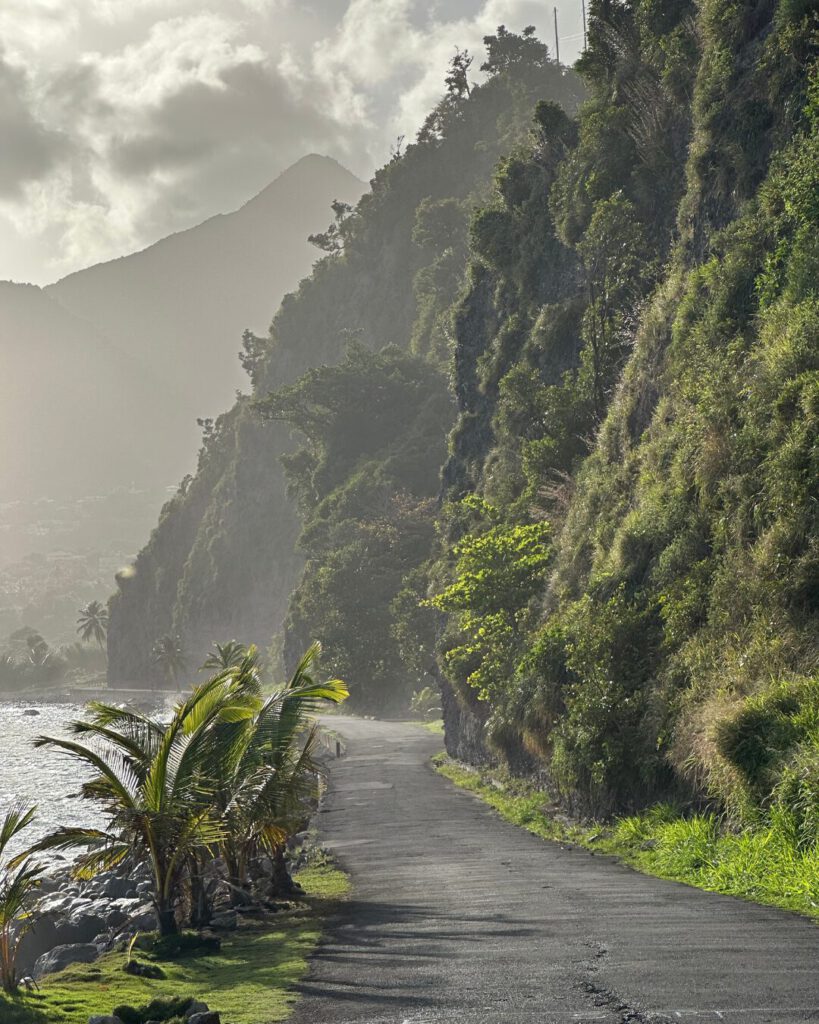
x=232, y=523
x=222, y=561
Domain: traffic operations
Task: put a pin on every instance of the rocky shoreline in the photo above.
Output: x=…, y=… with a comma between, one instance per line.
x=78, y=921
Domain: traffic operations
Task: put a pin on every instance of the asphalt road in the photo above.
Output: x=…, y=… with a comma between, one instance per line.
x=457, y=916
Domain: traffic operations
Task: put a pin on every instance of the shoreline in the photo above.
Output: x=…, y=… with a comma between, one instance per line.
x=85, y=695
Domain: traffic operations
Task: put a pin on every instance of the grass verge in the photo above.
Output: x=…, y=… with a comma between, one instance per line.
x=436, y=727
x=765, y=865
x=250, y=981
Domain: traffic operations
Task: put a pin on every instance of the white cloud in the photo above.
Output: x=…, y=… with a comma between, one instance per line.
x=177, y=52
x=30, y=26
x=132, y=118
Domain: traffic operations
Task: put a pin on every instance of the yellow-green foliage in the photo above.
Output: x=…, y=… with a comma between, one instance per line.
x=498, y=569
x=681, y=614
x=250, y=981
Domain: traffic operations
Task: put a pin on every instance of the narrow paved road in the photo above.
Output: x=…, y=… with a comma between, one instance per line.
x=457, y=916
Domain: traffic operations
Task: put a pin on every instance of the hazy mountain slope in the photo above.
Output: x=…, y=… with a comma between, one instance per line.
x=224, y=557
x=79, y=416
x=181, y=305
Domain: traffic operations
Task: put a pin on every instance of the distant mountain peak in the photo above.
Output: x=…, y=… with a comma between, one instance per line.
x=177, y=309
x=310, y=172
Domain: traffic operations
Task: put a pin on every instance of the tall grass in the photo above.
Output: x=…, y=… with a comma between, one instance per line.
x=763, y=864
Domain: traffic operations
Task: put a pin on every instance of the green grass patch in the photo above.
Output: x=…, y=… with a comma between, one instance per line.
x=250, y=981
x=765, y=865
x=436, y=726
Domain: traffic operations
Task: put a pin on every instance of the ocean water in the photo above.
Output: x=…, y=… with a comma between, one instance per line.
x=43, y=777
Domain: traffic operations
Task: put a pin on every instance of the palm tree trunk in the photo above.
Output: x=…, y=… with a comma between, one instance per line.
x=166, y=919
x=164, y=899
x=201, y=910
x=282, y=882
x=235, y=875
x=8, y=975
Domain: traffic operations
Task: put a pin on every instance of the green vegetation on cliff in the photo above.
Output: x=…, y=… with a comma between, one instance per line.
x=365, y=482
x=617, y=587
x=223, y=559
x=672, y=647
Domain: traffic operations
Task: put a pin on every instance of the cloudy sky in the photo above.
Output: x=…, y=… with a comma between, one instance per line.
x=124, y=120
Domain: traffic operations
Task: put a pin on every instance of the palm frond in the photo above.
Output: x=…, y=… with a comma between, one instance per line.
x=112, y=715
x=104, y=859
x=68, y=837
x=301, y=674
x=18, y=816
x=137, y=747
x=16, y=893
x=125, y=784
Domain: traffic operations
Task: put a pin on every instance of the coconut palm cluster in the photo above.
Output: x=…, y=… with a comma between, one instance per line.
x=201, y=798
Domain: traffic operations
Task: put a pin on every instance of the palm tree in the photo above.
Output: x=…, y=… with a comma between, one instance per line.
x=39, y=653
x=93, y=623
x=149, y=779
x=19, y=878
x=223, y=656
x=267, y=773
x=169, y=655
x=229, y=773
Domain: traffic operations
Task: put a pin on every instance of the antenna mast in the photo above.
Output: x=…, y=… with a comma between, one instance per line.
x=557, y=39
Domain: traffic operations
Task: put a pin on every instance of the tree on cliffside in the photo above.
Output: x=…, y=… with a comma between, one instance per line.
x=374, y=432
x=169, y=654
x=93, y=623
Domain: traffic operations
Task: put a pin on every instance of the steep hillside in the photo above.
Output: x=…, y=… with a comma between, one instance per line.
x=180, y=306
x=617, y=590
x=660, y=638
x=224, y=559
x=575, y=239
x=365, y=482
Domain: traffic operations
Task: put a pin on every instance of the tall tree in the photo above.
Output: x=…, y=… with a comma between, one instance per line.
x=169, y=654
x=93, y=623
x=223, y=656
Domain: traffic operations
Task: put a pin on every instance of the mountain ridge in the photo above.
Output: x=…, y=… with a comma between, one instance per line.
x=181, y=305
x=221, y=216
x=162, y=327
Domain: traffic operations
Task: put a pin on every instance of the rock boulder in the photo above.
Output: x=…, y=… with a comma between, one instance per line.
x=61, y=957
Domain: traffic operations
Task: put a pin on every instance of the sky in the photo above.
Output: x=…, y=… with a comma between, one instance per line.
x=122, y=121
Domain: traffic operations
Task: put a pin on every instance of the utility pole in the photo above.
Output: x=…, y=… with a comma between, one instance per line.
x=585, y=42
x=557, y=40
